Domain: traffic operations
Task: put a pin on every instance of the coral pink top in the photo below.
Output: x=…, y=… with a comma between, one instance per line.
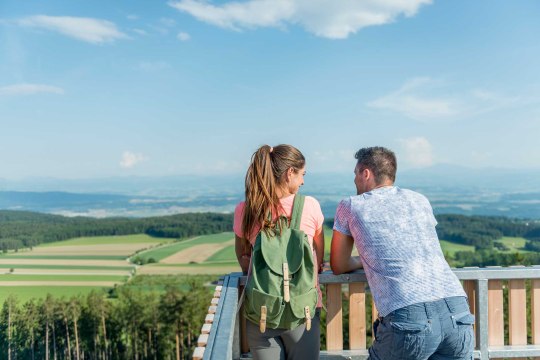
x=311, y=223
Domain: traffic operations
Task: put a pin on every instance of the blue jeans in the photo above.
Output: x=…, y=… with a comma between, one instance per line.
x=437, y=330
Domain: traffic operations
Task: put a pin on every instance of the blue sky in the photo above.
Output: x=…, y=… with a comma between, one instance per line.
x=151, y=88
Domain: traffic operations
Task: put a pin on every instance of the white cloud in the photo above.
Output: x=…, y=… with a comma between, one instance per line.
x=415, y=100
x=417, y=151
x=30, y=89
x=183, y=36
x=326, y=18
x=167, y=22
x=140, y=31
x=425, y=99
x=95, y=31
x=153, y=66
x=130, y=159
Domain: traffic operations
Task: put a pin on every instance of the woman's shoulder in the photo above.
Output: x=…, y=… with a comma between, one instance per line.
x=239, y=208
x=310, y=200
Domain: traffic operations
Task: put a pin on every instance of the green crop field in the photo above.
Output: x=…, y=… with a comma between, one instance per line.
x=103, y=240
x=25, y=293
x=64, y=257
x=451, y=247
x=53, y=277
x=226, y=254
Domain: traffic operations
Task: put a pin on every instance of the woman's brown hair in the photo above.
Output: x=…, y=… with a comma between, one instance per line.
x=264, y=176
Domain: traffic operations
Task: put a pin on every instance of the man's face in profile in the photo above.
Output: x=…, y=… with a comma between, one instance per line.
x=359, y=180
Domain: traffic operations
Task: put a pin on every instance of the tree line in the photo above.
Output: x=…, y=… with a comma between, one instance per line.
x=135, y=324
x=27, y=229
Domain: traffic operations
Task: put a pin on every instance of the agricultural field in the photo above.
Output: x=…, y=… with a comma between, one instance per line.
x=71, y=267
x=80, y=265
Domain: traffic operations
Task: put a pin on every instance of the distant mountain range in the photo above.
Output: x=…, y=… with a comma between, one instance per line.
x=451, y=189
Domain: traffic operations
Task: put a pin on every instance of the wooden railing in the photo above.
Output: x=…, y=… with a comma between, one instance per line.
x=493, y=293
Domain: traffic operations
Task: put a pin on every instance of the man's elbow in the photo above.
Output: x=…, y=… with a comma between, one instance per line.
x=337, y=267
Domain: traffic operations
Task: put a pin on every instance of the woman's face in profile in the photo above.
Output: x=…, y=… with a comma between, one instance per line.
x=296, y=180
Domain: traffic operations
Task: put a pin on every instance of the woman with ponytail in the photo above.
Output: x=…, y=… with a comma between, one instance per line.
x=272, y=180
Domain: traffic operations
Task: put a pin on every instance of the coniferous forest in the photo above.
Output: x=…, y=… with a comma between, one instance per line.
x=129, y=323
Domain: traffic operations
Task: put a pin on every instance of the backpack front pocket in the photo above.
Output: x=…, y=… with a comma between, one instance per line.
x=274, y=306
x=299, y=302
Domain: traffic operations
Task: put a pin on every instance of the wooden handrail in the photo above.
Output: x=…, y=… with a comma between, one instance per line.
x=485, y=287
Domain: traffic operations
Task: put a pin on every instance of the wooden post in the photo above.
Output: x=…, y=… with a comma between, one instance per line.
x=334, y=321
x=470, y=289
x=495, y=313
x=517, y=316
x=535, y=312
x=357, y=316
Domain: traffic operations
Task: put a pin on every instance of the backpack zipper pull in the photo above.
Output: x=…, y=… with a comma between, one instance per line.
x=308, y=318
x=286, y=294
x=262, y=323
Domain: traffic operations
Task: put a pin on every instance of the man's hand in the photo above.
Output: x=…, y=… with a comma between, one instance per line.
x=341, y=260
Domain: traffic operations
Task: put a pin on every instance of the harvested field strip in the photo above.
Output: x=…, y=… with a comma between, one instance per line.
x=64, y=257
x=64, y=267
x=68, y=262
x=52, y=277
x=199, y=265
x=163, y=252
x=225, y=254
x=103, y=240
x=162, y=270
x=63, y=271
x=24, y=293
x=196, y=253
x=96, y=250
x=58, y=283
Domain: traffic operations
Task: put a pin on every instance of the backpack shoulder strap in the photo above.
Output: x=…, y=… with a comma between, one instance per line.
x=296, y=214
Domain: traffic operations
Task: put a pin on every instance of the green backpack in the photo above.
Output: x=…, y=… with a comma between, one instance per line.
x=281, y=292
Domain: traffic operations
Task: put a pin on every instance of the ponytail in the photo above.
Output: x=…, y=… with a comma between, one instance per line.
x=263, y=177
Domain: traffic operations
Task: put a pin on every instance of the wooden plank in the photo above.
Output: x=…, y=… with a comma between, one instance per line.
x=206, y=328
x=209, y=319
x=334, y=320
x=357, y=316
x=470, y=289
x=535, y=312
x=517, y=313
x=212, y=309
x=202, y=340
x=214, y=301
x=219, y=288
x=198, y=353
x=217, y=294
x=470, y=286
x=495, y=313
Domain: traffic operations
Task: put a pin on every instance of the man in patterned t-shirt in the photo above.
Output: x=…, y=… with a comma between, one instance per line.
x=423, y=310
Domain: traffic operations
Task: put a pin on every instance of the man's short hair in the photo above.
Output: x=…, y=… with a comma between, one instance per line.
x=381, y=161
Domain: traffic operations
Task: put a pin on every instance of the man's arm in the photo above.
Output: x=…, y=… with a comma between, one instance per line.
x=341, y=260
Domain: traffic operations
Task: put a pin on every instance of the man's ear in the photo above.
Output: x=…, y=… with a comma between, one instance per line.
x=367, y=174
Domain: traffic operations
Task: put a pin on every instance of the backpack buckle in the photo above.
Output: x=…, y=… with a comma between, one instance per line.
x=262, y=323
x=286, y=292
x=308, y=318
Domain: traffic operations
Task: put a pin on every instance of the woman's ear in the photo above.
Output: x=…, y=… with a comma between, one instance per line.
x=289, y=175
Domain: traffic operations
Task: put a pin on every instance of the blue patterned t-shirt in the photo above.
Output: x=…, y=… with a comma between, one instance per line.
x=394, y=232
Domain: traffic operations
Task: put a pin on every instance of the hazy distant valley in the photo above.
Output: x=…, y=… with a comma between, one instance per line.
x=450, y=189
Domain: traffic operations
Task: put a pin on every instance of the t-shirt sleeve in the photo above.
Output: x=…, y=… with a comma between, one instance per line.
x=238, y=215
x=343, y=214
